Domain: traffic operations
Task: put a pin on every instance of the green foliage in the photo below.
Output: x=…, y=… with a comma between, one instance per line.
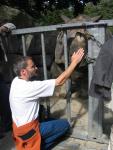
x=103, y=8
x=54, y=17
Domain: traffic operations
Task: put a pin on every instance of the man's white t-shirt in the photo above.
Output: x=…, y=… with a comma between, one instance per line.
x=24, y=98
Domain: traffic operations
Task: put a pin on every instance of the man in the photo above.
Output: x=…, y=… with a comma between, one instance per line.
x=28, y=133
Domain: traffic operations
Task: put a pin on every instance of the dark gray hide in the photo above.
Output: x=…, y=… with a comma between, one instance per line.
x=76, y=38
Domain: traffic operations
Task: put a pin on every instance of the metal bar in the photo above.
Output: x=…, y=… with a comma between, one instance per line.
x=24, y=45
x=44, y=56
x=95, y=113
x=65, y=50
x=109, y=22
x=55, y=27
x=45, y=69
x=3, y=49
x=68, y=82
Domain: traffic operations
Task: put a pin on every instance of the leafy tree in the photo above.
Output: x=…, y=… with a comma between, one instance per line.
x=103, y=8
x=48, y=12
x=37, y=7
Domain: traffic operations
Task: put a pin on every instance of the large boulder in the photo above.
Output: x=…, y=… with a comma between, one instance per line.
x=19, y=18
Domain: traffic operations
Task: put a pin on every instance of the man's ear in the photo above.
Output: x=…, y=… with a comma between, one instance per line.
x=23, y=72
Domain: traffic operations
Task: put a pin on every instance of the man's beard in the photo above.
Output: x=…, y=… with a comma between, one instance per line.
x=34, y=76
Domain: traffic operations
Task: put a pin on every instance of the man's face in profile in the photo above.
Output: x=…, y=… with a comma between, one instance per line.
x=31, y=69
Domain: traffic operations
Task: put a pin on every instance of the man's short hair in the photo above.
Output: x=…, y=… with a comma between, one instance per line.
x=20, y=63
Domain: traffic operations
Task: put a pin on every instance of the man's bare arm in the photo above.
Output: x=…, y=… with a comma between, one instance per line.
x=75, y=59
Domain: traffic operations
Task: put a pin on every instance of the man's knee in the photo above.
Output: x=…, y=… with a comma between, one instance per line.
x=65, y=124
